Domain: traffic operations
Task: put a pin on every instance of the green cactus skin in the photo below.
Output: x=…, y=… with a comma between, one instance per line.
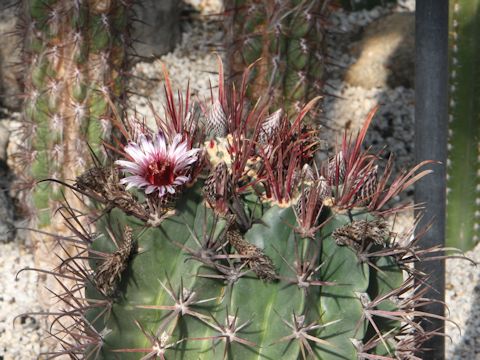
x=162, y=260
x=286, y=40
x=463, y=165
x=76, y=51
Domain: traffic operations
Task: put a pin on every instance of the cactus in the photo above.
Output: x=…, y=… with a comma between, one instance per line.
x=286, y=39
x=236, y=246
x=463, y=172
x=76, y=56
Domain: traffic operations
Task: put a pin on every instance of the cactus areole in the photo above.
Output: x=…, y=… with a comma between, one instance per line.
x=222, y=239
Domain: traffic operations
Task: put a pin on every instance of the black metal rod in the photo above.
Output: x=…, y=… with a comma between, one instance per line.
x=431, y=117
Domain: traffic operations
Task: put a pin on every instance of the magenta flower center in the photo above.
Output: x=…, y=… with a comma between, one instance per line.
x=160, y=172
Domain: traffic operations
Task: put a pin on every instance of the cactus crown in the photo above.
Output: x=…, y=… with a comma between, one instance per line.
x=229, y=242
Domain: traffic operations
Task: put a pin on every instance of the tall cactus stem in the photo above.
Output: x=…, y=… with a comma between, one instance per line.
x=463, y=165
x=286, y=40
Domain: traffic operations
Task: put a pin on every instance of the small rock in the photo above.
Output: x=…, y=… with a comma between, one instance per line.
x=7, y=214
x=159, y=29
x=4, y=136
x=385, y=53
x=7, y=227
x=10, y=54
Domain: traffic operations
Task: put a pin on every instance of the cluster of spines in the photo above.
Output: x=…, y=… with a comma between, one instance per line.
x=463, y=163
x=75, y=53
x=286, y=41
x=299, y=280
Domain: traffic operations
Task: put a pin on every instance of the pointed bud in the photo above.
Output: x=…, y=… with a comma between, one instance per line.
x=270, y=126
x=369, y=183
x=217, y=188
x=305, y=176
x=307, y=173
x=216, y=121
x=337, y=170
x=319, y=189
x=324, y=190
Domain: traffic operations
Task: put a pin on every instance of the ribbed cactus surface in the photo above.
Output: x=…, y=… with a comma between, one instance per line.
x=463, y=170
x=286, y=39
x=75, y=51
x=205, y=311
x=237, y=246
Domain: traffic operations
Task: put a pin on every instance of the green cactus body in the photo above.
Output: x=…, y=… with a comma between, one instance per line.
x=232, y=246
x=76, y=55
x=286, y=40
x=463, y=166
x=267, y=307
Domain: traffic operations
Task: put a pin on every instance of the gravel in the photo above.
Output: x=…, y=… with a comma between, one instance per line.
x=463, y=300
x=347, y=106
x=192, y=64
x=194, y=61
x=20, y=335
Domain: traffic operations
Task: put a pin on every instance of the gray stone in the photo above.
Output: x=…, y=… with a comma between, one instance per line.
x=385, y=54
x=157, y=30
x=7, y=227
x=4, y=136
x=7, y=213
x=10, y=55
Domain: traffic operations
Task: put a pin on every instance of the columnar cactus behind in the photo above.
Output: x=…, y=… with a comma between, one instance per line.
x=286, y=39
x=463, y=173
x=76, y=56
x=228, y=242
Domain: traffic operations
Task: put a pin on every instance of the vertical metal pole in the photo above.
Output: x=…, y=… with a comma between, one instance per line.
x=431, y=117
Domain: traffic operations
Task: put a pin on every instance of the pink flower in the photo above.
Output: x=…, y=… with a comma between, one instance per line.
x=158, y=165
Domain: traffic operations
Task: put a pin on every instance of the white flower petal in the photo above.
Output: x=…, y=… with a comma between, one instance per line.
x=180, y=180
x=176, y=140
x=161, y=191
x=129, y=185
x=179, y=151
x=150, y=189
x=137, y=155
x=147, y=147
x=130, y=166
x=160, y=145
x=182, y=165
x=136, y=180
